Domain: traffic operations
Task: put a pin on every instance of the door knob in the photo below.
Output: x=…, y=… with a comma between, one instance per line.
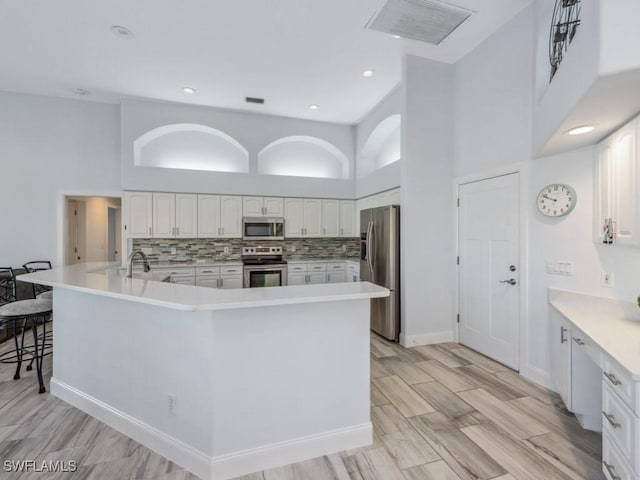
x=511, y=281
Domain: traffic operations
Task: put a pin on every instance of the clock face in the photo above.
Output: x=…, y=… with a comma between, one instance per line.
x=556, y=200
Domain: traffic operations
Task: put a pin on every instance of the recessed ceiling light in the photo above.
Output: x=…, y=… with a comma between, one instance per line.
x=80, y=91
x=188, y=90
x=314, y=107
x=122, y=32
x=581, y=130
x=367, y=73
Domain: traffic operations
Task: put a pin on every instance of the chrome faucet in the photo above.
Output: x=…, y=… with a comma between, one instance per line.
x=145, y=262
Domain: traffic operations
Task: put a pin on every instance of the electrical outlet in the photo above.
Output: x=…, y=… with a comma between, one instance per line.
x=173, y=404
x=607, y=279
x=226, y=250
x=173, y=250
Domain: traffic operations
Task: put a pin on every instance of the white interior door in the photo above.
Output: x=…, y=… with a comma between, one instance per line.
x=489, y=279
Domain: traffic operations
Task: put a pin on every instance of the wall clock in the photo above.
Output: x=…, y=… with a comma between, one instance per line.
x=564, y=25
x=556, y=200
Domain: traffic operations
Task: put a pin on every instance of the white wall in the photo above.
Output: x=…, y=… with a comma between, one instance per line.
x=427, y=207
x=388, y=177
x=253, y=131
x=493, y=100
x=47, y=146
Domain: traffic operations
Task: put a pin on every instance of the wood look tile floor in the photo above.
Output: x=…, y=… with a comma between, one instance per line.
x=440, y=412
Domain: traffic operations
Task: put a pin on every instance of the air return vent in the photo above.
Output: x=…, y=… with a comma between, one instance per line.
x=254, y=100
x=423, y=20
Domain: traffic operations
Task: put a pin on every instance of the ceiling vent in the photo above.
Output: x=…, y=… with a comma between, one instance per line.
x=423, y=20
x=257, y=100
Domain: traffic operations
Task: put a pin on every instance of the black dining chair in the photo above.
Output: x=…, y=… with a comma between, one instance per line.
x=37, y=266
x=15, y=316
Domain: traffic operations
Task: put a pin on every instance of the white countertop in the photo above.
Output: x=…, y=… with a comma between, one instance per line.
x=103, y=279
x=614, y=325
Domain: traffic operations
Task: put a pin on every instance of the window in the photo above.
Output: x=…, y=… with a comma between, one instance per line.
x=190, y=147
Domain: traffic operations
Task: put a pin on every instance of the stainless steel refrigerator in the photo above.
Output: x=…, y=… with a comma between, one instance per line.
x=380, y=264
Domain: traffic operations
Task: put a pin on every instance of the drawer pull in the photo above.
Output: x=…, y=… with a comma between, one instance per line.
x=612, y=378
x=578, y=341
x=612, y=471
x=612, y=420
x=562, y=332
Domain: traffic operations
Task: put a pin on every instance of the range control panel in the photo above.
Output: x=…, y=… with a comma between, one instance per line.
x=261, y=250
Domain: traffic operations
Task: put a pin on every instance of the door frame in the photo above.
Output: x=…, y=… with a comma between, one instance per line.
x=522, y=170
x=61, y=215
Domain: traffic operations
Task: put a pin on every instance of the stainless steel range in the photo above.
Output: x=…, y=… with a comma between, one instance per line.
x=264, y=267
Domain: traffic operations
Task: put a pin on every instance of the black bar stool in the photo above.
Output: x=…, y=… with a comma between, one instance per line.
x=17, y=315
x=37, y=266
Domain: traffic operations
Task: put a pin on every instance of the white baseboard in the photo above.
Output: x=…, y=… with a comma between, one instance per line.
x=178, y=452
x=225, y=466
x=284, y=453
x=538, y=376
x=425, y=339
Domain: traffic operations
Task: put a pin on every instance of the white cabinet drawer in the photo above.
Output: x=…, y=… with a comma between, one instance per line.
x=614, y=465
x=336, y=277
x=333, y=266
x=621, y=426
x=177, y=272
x=297, y=267
x=620, y=382
x=201, y=271
x=353, y=267
x=231, y=281
x=317, y=267
x=231, y=270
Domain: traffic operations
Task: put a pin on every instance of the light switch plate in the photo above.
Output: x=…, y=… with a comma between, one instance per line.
x=563, y=268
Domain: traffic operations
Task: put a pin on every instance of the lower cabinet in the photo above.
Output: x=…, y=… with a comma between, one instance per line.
x=336, y=277
x=231, y=281
x=561, y=357
x=184, y=280
x=318, y=273
x=294, y=278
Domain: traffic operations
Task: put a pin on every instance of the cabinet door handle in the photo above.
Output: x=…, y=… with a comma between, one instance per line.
x=342, y=231
x=222, y=230
x=562, y=337
x=611, y=470
x=324, y=231
x=149, y=230
x=612, y=378
x=177, y=230
x=579, y=341
x=612, y=420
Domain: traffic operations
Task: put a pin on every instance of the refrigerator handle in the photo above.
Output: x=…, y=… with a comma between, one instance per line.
x=370, y=246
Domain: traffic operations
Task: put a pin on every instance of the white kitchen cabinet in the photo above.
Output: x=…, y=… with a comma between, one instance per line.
x=138, y=207
x=184, y=280
x=348, y=218
x=336, y=277
x=586, y=382
x=617, y=186
x=303, y=217
x=561, y=357
x=296, y=278
x=230, y=216
x=175, y=215
x=312, y=217
x=164, y=215
x=330, y=218
x=230, y=281
x=186, y=215
x=316, y=278
x=208, y=281
x=263, y=206
x=208, y=216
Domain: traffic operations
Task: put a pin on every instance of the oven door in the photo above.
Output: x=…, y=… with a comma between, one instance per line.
x=262, y=228
x=265, y=276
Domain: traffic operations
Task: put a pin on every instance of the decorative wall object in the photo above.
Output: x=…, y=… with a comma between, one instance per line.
x=564, y=25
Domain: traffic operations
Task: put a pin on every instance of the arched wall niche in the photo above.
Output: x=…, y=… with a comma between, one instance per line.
x=303, y=156
x=188, y=146
x=382, y=147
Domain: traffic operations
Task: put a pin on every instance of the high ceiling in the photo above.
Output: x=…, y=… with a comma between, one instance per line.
x=294, y=53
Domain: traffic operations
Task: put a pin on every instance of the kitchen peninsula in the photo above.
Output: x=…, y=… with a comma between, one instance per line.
x=222, y=382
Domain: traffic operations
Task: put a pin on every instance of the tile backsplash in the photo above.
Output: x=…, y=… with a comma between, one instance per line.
x=213, y=249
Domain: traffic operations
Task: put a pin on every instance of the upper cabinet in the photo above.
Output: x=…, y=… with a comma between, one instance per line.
x=331, y=218
x=175, y=215
x=138, y=214
x=219, y=216
x=348, y=218
x=263, y=206
x=616, y=203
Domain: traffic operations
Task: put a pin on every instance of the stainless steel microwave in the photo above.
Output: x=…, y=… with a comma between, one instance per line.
x=262, y=228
